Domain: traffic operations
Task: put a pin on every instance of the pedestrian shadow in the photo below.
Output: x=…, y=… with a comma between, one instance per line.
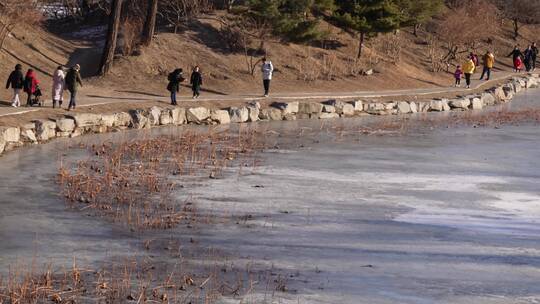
x=27, y=63
x=207, y=90
x=140, y=93
x=116, y=97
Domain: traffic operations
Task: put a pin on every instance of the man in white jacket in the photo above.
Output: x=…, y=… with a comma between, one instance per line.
x=267, y=70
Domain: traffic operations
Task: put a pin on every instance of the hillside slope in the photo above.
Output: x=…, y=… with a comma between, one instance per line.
x=299, y=68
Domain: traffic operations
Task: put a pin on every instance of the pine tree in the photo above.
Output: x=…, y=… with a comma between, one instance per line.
x=292, y=19
x=368, y=17
x=416, y=12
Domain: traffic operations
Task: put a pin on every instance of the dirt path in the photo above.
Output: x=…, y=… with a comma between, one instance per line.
x=93, y=98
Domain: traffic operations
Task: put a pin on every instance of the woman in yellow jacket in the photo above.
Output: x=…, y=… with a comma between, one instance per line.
x=468, y=70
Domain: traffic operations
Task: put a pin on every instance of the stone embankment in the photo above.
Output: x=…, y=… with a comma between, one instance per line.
x=77, y=124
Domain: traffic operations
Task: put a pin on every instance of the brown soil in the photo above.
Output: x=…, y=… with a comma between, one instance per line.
x=225, y=72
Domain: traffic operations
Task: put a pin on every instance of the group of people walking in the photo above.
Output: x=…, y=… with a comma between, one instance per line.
x=71, y=80
x=471, y=65
x=176, y=77
x=526, y=58
x=29, y=84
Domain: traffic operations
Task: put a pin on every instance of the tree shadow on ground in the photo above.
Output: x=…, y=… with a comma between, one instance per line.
x=88, y=59
x=208, y=35
x=27, y=63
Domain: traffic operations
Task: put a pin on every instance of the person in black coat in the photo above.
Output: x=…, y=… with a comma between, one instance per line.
x=528, y=58
x=175, y=78
x=534, y=55
x=16, y=82
x=516, y=54
x=196, y=82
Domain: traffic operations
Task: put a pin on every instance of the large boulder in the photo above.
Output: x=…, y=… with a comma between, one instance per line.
x=347, y=110
x=403, y=107
x=165, y=118
x=178, y=116
x=122, y=119
x=289, y=117
x=287, y=107
x=374, y=108
x=339, y=106
x=45, y=130
x=488, y=99
x=498, y=94
x=107, y=120
x=531, y=82
x=508, y=92
x=29, y=136
x=310, y=108
x=239, y=115
x=2, y=145
x=477, y=103
x=328, y=115
x=10, y=134
x=328, y=109
x=358, y=105
x=154, y=115
x=460, y=103
x=413, y=106
x=139, y=119
x=439, y=105
x=220, y=116
x=197, y=115
x=83, y=120
x=65, y=124
x=271, y=114
x=254, y=104
x=254, y=113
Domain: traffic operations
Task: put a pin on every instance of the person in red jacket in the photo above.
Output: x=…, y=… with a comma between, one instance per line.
x=30, y=86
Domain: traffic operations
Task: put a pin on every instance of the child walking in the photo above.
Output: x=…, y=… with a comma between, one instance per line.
x=458, y=74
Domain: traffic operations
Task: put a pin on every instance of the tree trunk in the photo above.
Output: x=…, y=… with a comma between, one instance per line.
x=516, y=28
x=360, y=45
x=150, y=22
x=112, y=35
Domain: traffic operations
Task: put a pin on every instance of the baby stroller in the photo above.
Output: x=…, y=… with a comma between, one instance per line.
x=37, y=97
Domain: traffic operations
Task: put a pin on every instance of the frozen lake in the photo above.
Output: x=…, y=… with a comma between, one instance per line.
x=440, y=216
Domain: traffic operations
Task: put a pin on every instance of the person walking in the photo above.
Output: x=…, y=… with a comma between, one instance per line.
x=58, y=87
x=468, y=70
x=534, y=55
x=458, y=74
x=516, y=58
x=175, y=78
x=72, y=83
x=267, y=70
x=528, y=58
x=31, y=84
x=196, y=82
x=16, y=82
x=475, y=60
x=488, y=60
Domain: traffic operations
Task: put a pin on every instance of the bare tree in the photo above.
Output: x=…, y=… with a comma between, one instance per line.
x=112, y=35
x=521, y=12
x=181, y=12
x=150, y=22
x=463, y=27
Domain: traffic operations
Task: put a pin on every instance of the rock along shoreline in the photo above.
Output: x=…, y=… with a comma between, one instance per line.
x=77, y=124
